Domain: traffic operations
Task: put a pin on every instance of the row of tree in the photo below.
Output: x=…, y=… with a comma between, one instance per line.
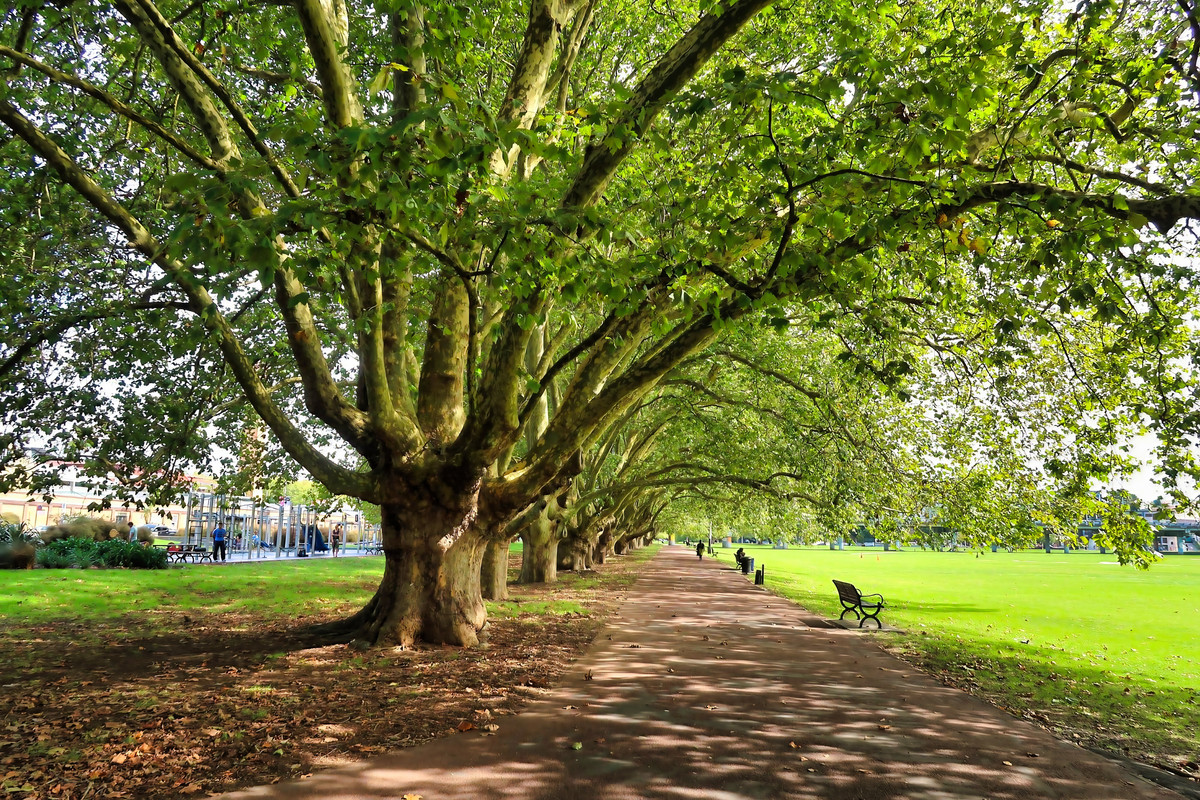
x=565, y=268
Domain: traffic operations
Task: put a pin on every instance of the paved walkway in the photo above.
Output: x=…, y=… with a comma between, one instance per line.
x=707, y=687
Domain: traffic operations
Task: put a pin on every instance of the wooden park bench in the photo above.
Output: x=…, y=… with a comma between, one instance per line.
x=863, y=606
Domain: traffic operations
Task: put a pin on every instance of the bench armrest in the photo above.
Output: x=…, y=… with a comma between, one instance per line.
x=865, y=596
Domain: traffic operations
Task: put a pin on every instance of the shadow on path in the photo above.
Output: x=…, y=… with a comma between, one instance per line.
x=704, y=686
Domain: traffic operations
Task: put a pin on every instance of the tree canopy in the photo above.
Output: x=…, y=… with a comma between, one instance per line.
x=441, y=251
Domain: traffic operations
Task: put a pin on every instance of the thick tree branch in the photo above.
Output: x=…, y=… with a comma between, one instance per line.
x=1075, y=166
x=673, y=71
x=115, y=104
x=339, y=91
x=337, y=478
x=193, y=63
x=192, y=80
x=212, y=124
x=1162, y=212
x=54, y=329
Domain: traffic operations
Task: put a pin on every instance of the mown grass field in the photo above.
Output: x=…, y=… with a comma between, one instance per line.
x=266, y=589
x=1106, y=654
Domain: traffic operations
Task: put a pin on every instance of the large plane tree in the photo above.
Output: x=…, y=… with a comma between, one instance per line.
x=401, y=231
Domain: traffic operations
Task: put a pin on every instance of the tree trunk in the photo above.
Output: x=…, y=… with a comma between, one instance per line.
x=600, y=546
x=568, y=556
x=494, y=575
x=539, y=556
x=574, y=554
x=430, y=590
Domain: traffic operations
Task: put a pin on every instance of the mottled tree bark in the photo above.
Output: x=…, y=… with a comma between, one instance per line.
x=430, y=590
x=539, y=557
x=493, y=576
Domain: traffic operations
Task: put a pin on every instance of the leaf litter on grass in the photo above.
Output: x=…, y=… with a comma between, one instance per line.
x=230, y=700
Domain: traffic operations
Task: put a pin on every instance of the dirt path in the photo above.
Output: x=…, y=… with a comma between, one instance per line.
x=706, y=687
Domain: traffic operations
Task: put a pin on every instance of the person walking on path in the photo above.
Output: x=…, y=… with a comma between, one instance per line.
x=219, y=542
x=335, y=539
x=700, y=550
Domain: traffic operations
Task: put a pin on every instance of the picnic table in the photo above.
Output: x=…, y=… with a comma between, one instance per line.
x=183, y=553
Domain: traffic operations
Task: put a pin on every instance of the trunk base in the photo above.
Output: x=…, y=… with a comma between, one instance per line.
x=430, y=590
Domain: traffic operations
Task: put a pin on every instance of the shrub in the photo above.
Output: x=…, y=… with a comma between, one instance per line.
x=101, y=530
x=18, y=546
x=54, y=558
x=120, y=553
x=84, y=553
x=17, y=532
x=146, y=557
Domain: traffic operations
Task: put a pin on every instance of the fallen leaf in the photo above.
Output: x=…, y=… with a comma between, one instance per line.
x=1006, y=763
x=577, y=745
x=466, y=726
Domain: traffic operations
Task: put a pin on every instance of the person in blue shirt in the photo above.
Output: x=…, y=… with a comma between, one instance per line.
x=219, y=542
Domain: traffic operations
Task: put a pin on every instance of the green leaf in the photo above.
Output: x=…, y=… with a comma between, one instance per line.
x=380, y=81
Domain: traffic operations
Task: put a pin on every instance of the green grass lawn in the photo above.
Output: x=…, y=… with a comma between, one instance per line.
x=1076, y=641
x=266, y=589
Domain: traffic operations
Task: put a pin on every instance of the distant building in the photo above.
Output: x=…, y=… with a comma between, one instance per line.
x=77, y=492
